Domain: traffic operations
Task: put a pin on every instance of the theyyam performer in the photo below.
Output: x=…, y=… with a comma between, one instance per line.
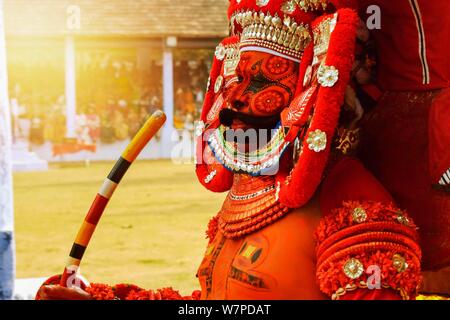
x=302, y=218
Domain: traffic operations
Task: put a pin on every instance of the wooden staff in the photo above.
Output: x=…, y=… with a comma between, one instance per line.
x=140, y=140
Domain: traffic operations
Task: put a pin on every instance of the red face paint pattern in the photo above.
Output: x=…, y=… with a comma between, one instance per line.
x=266, y=84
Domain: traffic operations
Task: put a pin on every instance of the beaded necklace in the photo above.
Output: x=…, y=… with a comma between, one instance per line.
x=256, y=162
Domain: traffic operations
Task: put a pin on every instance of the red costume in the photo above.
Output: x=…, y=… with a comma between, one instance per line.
x=407, y=135
x=302, y=218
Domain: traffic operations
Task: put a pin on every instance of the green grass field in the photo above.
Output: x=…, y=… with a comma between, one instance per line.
x=152, y=233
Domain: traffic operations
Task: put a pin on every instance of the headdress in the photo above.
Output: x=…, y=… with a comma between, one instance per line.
x=322, y=39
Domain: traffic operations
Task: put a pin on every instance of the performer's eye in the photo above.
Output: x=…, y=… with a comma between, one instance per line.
x=239, y=75
x=237, y=104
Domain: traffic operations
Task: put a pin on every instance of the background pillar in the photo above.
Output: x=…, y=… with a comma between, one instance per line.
x=70, y=86
x=168, y=101
x=7, y=259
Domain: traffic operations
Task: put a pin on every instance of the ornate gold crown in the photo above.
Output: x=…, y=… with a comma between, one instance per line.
x=289, y=6
x=274, y=25
x=263, y=30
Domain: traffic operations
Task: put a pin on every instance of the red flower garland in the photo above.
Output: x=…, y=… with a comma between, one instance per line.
x=308, y=171
x=341, y=218
x=332, y=279
x=122, y=290
x=385, y=231
x=223, y=179
x=100, y=291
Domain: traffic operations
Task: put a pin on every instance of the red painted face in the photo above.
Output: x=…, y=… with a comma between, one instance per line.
x=266, y=84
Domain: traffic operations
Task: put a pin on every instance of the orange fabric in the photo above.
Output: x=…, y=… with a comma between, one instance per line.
x=350, y=180
x=284, y=268
x=278, y=261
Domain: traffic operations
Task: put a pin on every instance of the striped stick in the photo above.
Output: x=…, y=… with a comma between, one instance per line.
x=140, y=140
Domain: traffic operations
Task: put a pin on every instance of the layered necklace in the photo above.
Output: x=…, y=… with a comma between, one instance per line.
x=252, y=202
x=258, y=162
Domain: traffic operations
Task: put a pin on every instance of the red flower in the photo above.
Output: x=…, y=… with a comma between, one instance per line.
x=122, y=290
x=170, y=294
x=213, y=227
x=142, y=295
x=99, y=291
x=196, y=295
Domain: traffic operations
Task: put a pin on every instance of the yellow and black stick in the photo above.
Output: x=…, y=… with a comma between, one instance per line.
x=145, y=134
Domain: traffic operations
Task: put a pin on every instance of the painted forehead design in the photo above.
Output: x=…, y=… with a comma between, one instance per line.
x=269, y=51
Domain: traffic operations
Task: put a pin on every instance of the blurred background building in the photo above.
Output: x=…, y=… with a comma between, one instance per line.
x=84, y=74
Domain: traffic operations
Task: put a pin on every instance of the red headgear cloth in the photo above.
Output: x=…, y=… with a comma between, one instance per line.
x=210, y=173
x=333, y=55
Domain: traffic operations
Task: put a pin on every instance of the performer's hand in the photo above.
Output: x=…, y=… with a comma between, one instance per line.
x=362, y=32
x=364, y=64
x=56, y=292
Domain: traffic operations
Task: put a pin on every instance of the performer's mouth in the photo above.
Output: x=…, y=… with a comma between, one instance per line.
x=238, y=124
x=237, y=120
x=249, y=132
